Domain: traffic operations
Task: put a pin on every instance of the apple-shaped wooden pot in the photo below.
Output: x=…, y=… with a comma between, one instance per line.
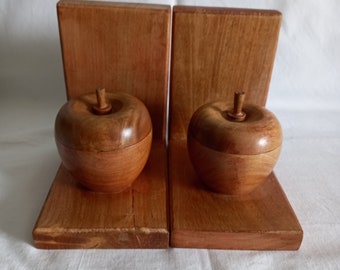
x=233, y=148
x=104, y=140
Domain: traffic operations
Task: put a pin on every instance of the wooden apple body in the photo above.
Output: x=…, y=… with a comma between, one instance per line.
x=233, y=157
x=104, y=151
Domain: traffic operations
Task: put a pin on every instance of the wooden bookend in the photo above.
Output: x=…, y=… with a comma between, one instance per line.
x=125, y=48
x=216, y=52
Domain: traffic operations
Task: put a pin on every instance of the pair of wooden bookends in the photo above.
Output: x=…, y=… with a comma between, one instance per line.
x=214, y=52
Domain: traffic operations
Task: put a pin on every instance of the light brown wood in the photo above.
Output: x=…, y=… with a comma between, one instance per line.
x=74, y=217
x=215, y=52
x=122, y=47
x=261, y=220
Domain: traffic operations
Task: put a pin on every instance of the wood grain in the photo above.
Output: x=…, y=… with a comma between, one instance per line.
x=73, y=217
x=122, y=47
x=106, y=171
x=260, y=132
x=233, y=156
x=262, y=220
x=233, y=174
x=78, y=127
x=104, y=140
x=216, y=52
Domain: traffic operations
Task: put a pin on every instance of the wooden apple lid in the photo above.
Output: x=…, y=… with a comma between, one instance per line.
x=238, y=129
x=102, y=122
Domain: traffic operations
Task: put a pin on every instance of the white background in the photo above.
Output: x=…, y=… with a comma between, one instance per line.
x=304, y=94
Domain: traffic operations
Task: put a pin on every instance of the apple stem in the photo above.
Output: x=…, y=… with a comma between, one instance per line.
x=102, y=107
x=237, y=114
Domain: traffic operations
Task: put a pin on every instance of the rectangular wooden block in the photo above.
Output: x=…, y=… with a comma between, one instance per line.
x=73, y=217
x=216, y=52
x=121, y=47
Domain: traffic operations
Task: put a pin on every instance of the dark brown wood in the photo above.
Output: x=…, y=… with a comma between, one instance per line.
x=102, y=106
x=260, y=132
x=261, y=220
x=78, y=127
x=233, y=151
x=215, y=52
x=237, y=114
x=74, y=217
x=122, y=47
x=104, y=152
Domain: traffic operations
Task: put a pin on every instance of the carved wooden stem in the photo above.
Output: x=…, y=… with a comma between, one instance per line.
x=102, y=107
x=237, y=114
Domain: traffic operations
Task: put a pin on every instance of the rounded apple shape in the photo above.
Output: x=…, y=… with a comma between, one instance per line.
x=104, y=140
x=233, y=149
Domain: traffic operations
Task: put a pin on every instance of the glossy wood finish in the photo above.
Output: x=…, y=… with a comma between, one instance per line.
x=215, y=52
x=260, y=132
x=233, y=148
x=125, y=48
x=261, y=220
x=104, y=152
x=103, y=106
x=73, y=217
x=237, y=114
x=122, y=47
x=107, y=171
x=231, y=174
x=78, y=127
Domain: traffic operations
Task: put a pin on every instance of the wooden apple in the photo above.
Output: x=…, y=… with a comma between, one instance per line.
x=233, y=149
x=104, y=140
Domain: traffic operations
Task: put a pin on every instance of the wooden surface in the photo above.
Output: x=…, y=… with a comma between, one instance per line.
x=103, y=106
x=73, y=217
x=260, y=132
x=121, y=47
x=262, y=220
x=104, y=152
x=233, y=156
x=233, y=174
x=107, y=171
x=78, y=127
x=215, y=52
